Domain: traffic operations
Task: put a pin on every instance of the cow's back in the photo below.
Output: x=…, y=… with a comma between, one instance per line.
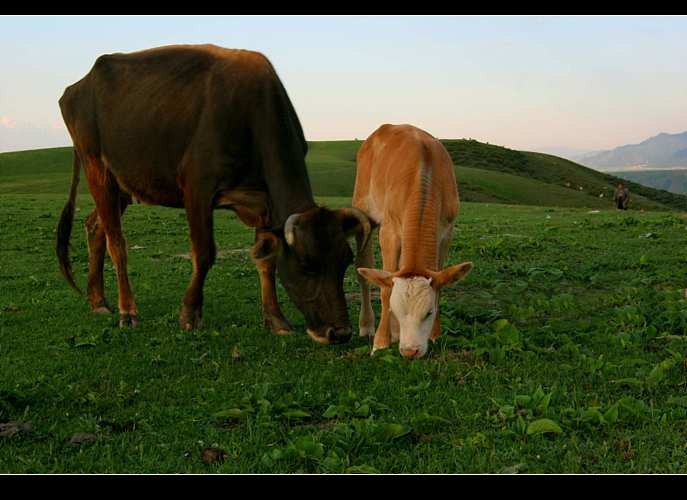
x=390, y=165
x=148, y=114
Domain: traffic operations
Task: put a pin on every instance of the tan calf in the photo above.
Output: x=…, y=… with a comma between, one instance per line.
x=406, y=185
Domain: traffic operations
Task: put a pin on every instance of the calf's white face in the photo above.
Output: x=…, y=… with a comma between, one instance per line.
x=413, y=302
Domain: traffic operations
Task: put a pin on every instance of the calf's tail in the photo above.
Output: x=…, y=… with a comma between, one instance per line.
x=64, y=228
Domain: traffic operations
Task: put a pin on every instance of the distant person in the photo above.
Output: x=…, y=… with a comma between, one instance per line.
x=621, y=196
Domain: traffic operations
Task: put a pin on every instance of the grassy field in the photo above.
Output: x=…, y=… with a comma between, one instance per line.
x=565, y=350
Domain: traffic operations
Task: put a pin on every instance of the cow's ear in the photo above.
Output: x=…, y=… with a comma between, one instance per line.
x=377, y=277
x=267, y=244
x=450, y=274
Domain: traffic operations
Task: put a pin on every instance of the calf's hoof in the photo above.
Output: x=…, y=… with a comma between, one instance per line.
x=126, y=320
x=377, y=347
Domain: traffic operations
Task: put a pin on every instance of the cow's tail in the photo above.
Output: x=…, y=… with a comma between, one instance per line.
x=64, y=228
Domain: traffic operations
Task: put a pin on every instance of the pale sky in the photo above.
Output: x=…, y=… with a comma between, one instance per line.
x=531, y=83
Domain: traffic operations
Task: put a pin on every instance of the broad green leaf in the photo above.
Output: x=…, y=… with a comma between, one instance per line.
x=537, y=395
x=85, y=344
x=308, y=447
x=389, y=432
x=332, y=411
x=361, y=469
x=636, y=407
x=296, y=414
x=363, y=410
x=500, y=324
x=543, y=426
x=630, y=382
x=231, y=413
x=510, y=335
x=593, y=415
x=434, y=418
x=611, y=415
x=507, y=410
x=522, y=400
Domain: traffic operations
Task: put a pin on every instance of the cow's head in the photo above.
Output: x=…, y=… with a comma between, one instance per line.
x=312, y=255
x=414, y=301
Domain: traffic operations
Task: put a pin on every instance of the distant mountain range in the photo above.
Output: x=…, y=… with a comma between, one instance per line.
x=661, y=151
x=674, y=180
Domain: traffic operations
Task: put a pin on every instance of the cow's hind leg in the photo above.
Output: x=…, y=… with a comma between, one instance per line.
x=108, y=202
x=97, y=245
x=199, y=212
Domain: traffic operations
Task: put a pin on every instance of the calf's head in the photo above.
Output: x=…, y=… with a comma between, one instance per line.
x=414, y=301
x=312, y=255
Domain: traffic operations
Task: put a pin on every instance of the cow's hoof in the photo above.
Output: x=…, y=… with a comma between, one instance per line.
x=126, y=320
x=278, y=325
x=366, y=331
x=101, y=307
x=189, y=319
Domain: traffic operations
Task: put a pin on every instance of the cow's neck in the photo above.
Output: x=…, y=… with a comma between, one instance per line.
x=289, y=190
x=282, y=148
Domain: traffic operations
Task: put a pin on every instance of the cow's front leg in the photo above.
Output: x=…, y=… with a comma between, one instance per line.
x=271, y=312
x=365, y=258
x=200, y=221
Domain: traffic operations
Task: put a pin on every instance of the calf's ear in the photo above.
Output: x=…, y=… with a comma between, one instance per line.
x=450, y=274
x=377, y=277
x=267, y=244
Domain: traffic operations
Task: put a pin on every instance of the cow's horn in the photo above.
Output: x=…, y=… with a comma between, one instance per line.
x=289, y=235
x=364, y=223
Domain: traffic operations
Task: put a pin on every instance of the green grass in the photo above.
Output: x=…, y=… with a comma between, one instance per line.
x=571, y=321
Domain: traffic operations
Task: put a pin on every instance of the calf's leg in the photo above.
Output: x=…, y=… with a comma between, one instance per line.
x=443, y=253
x=391, y=253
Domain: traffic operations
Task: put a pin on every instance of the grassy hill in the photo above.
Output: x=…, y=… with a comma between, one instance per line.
x=485, y=173
x=495, y=174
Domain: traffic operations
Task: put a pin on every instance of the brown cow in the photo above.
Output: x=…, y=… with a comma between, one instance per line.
x=406, y=185
x=199, y=128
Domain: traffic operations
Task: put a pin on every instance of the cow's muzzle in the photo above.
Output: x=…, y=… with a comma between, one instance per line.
x=331, y=335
